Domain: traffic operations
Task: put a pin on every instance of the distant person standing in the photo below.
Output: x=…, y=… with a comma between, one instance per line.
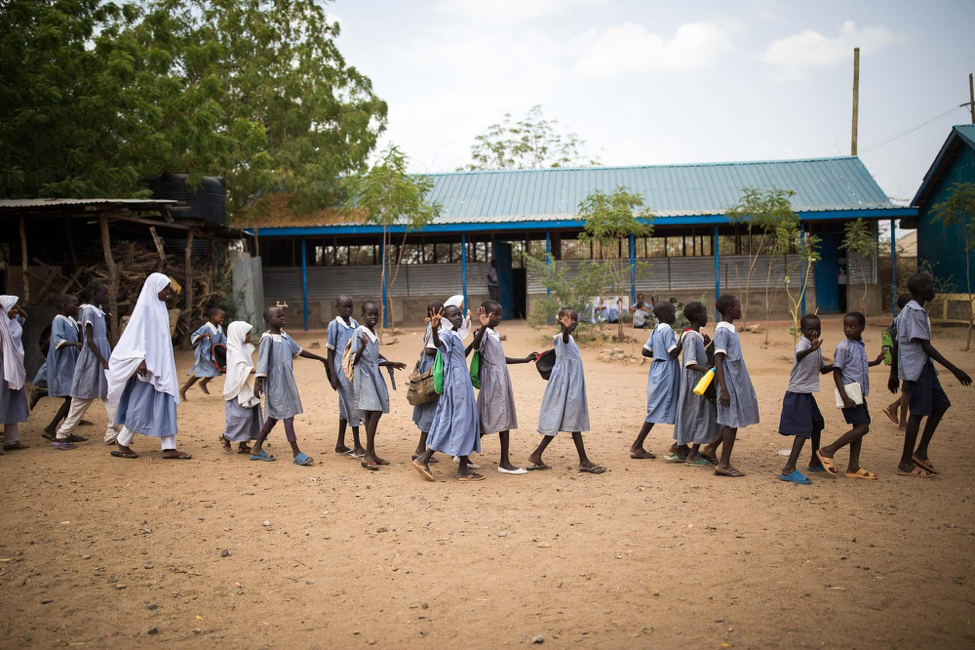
x=492, y=278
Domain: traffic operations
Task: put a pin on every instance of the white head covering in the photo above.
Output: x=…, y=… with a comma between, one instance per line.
x=465, y=327
x=13, y=347
x=239, y=382
x=146, y=337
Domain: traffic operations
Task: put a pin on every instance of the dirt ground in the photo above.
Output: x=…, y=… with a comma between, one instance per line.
x=108, y=553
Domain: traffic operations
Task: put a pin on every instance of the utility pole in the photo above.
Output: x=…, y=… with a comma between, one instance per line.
x=971, y=96
x=856, y=99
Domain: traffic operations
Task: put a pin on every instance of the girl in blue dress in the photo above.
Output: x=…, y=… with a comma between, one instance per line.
x=340, y=332
x=62, y=356
x=423, y=413
x=13, y=399
x=203, y=339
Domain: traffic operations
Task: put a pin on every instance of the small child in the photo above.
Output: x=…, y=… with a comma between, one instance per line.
x=242, y=407
x=914, y=366
x=697, y=417
x=203, y=339
x=496, y=398
x=13, y=399
x=564, y=404
x=737, y=402
x=801, y=416
x=455, y=425
x=850, y=366
x=423, y=413
x=901, y=403
x=62, y=357
x=89, y=381
x=141, y=374
x=276, y=379
x=663, y=380
x=340, y=331
x=371, y=395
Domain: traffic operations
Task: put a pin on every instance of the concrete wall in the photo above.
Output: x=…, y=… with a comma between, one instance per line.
x=249, y=289
x=408, y=312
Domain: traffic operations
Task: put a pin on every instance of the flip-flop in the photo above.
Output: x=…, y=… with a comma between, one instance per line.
x=537, y=468
x=347, y=452
x=810, y=468
x=382, y=462
x=674, y=458
x=473, y=476
x=593, y=469
x=370, y=465
x=917, y=472
x=644, y=455
x=711, y=459
x=795, y=477
x=890, y=416
x=124, y=454
x=224, y=443
x=358, y=456
x=76, y=438
x=470, y=464
x=734, y=473
x=49, y=436
x=17, y=446
x=244, y=450
x=263, y=455
x=828, y=464
x=699, y=461
x=517, y=470
x=64, y=446
x=862, y=473
x=303, y=459
x=920, y=462
x=182, y=455
x=424, y=472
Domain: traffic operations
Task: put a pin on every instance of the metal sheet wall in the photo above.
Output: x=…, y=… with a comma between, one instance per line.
x=419, y=280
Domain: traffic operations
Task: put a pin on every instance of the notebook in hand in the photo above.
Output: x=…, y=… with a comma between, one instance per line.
x=852, y=391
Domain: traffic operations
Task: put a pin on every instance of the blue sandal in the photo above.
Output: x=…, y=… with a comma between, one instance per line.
x=263, y=455
x=818, y=468
x=303, y=459
x=795, y=477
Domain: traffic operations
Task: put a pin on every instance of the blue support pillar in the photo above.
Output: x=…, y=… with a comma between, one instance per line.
x=548, y=261
x=304, y=282
x=385, y=297
x=802, y=279
x=463, y=266
x=632, y=270
x=717, y=272
x=893, y=267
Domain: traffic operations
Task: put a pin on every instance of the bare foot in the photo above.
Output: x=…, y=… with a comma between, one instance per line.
x=203, y=386
x=342, y=449
x=182, y=394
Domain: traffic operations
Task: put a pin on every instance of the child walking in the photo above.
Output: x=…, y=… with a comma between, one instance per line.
x=926, y=398
x=737, y=402
x=663, y=380
x=455, y=428
x=801, y=416
x=89, y=381
x=697, y=417
x=850, y=366
x=62, y=356
x=242, y=406
x=142, y=376
x=496, y=398
x=564, y=404
x=276, y=379
x=901, y=403
x=13, y=399
x=371, y=395
x=423, y=413
x=340, y=332
x=203, y=339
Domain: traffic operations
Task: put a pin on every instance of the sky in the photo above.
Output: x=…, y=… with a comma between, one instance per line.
x=649, y=82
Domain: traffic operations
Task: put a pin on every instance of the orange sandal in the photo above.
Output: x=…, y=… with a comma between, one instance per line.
x=917, y=472
x=862, y=473
x=828, y=464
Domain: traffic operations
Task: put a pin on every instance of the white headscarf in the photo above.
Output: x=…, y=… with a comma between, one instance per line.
x=465, y=327
x=146, y=338
x=239, y=382
x=13, y=347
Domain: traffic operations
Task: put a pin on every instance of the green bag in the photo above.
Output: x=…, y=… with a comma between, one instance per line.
x=476, y=370
x=438, y=373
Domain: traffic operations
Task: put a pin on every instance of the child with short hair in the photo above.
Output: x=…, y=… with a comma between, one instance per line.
x=496, y=398
x=242, y=406
x=737, y=402
x=62, y=357
x=89, y=381
x=340, y=331
x=13, y=399
x=663, y=380
x=455, y=428
x=564, y=404
x=801, y=416
x=275, y=377
x=899, y=404
x=850, y=366
x=697, y=417
x=423, y=413
x=914, y=365
x=210, y=333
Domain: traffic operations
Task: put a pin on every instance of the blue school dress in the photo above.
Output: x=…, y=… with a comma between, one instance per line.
x=40, y=379
x=370, y=389
x=243, y=424
x=275, y=365
x=743, y=410
x=146, y=411
x=697, y=417
x=496, y=399
x=89, y=380
x=13, y=403
x=455, y=430
x=564, y=404
x=423, y=413
x=204, y=363
x=339, y=334
x=61, y=358
x=663, y=381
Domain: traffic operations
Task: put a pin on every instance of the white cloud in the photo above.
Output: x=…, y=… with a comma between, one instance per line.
x=509, y=10
x=810, y=49
x=632, y=48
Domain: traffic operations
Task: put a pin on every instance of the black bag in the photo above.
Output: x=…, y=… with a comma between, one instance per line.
x=545, y=363
x=218, y=356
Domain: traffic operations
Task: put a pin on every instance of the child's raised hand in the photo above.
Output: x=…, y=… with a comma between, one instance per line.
x=962, y=377
x=363, y=339
x=435, y=319
x=564, y=319
x=468, y=314
x=483, y=317
x=817, y=343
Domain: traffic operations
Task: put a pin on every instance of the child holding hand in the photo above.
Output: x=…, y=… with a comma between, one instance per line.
x=423, y=413
x=13, y=399
x=697, y=417
x=340, y=331
x=62, y=357
x=663, y=381
x=801, y=416
x=242, y=406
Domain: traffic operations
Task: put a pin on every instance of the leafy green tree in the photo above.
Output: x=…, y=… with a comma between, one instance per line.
x=959, y=208
x=387, y=195
x=530, y=143
x=575, y=290
x=858, y=240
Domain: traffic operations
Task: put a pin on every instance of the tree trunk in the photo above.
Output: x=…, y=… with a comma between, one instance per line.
x=25, y=299
x=188, y=269
x=389, y=287
x=863, y=300
x=768, y=306
x=113, y=279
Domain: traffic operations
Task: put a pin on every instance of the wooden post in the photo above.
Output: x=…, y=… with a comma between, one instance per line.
x=113, y=279
x=188, y=270
x=25, y=299
x=856, y=99
x=971, y=96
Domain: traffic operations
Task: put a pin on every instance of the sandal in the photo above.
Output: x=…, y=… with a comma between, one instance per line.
x=179, y=455
x=828, y=464
x=473, y=476
x=64, y=446
x=733, y=473
x=674, y=458
x=643, y=455
x=424, y=472
x=17, y=446
x=125, y=454
x=862, y=473
x=225, y=443
x=370, y=465
x=917, y=472
x=263, y=455
x=303, y=459
x=923, y=463
x=537, y=468
x=890, y=416
x=795, y=477
x=711, y=459
x=242, y=448
x=593, y=469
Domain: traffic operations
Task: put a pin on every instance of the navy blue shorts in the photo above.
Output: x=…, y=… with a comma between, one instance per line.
x=926, y=394
x=800, y=415
x=858, y=414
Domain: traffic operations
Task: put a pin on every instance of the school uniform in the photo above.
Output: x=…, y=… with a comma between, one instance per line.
x=455, y=430
x=800, y=412
x=339, y=333
x=496, y=398
x=204, y=346
x=914, y=366
x=851, y=358
x=663, y=380
x=242, y=409
x=743, y=409
x=62, y=356
x=89, y=381
x=423, y=413
x=564, y=404
x=275, y=366
x=370, y=389
x=697, y=418
x=13, y=398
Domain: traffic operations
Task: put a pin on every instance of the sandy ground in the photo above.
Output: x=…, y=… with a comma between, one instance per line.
x=107, y=553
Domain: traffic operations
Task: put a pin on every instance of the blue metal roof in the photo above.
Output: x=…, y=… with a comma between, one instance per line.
x=964, y=133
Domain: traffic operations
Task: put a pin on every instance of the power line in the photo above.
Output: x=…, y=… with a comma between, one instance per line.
x=912, y=129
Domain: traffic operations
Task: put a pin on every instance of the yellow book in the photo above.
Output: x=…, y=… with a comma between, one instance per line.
x=704, y=383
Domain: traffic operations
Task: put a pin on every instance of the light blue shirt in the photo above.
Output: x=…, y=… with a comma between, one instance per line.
x=851, y=358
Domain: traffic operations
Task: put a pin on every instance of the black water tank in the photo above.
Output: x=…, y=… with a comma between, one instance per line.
x=209, y=201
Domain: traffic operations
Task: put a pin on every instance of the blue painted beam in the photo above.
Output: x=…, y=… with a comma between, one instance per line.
x=304, y=282
x=385, y=298
x=463, y=267
x=802, y=278
x=717, y=273
x=548, y=261
x=632, y=270
x=893, y=267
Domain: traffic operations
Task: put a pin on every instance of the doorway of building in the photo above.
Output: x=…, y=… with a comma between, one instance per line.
x=827, y=274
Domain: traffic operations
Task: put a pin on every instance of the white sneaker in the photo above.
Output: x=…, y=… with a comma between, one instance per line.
x=517, y=470
x=470, y=463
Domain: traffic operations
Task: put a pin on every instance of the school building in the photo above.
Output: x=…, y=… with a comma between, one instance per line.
x=694, y=252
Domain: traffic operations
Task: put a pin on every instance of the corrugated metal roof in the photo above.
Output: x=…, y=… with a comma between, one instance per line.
x=45, y=203
x=963, y=132
x=967, y=132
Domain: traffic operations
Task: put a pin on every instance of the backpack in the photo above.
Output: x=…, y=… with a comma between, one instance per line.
x=348, y=361
x=421, y=389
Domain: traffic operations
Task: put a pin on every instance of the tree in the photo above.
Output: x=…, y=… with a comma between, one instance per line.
x=576, y=290
x=763, y=211
x=858, y=240
x=959, y=209
x=387, y=195
x=530, y=143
